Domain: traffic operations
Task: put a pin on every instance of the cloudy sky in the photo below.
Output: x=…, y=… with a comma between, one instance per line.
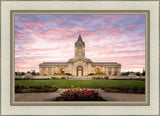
x=51, y=38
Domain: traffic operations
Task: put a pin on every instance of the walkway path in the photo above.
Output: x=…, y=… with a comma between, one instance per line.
x=52, y=95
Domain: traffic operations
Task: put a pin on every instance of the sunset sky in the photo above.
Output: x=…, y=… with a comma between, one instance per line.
x=51, y=38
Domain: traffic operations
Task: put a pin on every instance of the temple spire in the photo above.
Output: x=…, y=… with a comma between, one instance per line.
x=80, y=39
x=79, y=47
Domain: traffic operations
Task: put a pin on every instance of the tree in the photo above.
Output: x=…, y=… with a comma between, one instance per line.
x=138, y=73
x=37, y=73
x=22, y=73
x=125, y=73
x=16, y=73
x=33, y=72
x=28, y=72
x=143, y=73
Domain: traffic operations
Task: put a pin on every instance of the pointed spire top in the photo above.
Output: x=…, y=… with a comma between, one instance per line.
x=79, y=38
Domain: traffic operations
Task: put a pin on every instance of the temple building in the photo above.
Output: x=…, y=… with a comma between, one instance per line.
x=80, y=65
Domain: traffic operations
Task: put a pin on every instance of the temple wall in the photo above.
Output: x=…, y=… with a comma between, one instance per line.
x=87, y=69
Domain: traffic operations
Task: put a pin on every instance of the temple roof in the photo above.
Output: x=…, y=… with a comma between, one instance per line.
x=76, y=58
x=54, y=62
x=80, y=40
x=106, y=63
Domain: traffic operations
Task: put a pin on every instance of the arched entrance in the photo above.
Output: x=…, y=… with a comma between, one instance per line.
x=79, y=71
x=97, y=70
x=62, y=70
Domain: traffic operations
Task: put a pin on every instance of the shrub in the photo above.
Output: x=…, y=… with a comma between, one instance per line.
x=59, y=74
x=25, y=78
x=124, y=90
x=138, y=73
x=103, y=87
x=54, y=78
x=107, y=77
x=101, y=78
x=91, y=74
x=68, y=74
x=98, y=78
x=125, y=73
x=17, y=86
x=19, y=79
x=38, y=87
x=31, y=88
x=140, y=79
x=100, y=73
x=111, y=90
x=47, y=86
x=63, y=77
x=24, y=90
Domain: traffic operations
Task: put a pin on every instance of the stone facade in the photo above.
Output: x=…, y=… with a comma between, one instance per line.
x=80, y=65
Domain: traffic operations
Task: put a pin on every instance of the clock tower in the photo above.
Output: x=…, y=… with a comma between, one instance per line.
x=79, y=47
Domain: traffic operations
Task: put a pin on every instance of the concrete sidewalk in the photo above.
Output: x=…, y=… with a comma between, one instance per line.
x=52, y=95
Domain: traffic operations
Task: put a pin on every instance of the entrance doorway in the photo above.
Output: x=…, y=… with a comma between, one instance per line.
x=79, y=71
x=97, y=70
x=62, y=70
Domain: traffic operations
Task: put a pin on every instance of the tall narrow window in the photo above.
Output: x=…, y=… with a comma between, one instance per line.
x=109, y=71
x=79, y=50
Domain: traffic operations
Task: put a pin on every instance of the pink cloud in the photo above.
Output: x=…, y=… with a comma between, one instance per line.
x=115, y=17
x=53, y=40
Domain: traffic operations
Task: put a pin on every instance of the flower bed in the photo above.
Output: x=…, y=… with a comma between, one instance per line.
x=80, y=95
x=27, y=88
x=124, y=90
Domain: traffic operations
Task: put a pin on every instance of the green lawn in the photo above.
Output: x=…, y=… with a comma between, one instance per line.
x=85, y=83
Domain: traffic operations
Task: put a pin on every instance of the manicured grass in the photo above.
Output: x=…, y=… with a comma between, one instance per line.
x=85, y=83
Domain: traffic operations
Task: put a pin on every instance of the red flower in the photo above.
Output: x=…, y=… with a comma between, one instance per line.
x=17, y=84
x=92, y=96
x=28, y=84
x=25, y=85
x=40, y=83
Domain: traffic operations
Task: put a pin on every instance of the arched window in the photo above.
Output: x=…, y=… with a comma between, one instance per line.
x=115, y=71
x=97, y=70
x=109, y=71
x=50, y=73
x=62, y=70
x=44, y=72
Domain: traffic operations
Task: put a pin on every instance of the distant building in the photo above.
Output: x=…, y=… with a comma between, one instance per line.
x=80, y=65
x=28, y=74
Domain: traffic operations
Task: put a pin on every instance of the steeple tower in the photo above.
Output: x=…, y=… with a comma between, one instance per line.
x=80, y=39
x=79, y=47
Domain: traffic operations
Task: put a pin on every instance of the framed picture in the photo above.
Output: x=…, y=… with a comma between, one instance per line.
x=80, y=58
